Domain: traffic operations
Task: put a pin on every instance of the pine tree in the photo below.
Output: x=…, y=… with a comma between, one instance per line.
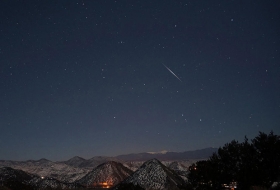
x=249, y=164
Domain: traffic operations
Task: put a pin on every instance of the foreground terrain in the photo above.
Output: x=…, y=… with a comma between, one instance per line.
x=133, y=171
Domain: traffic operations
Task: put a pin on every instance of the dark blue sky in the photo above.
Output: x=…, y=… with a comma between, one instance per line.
x=87, y=78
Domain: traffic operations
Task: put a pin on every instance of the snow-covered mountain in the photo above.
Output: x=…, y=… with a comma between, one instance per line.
x=18, y=179
x=177, y=166
x=66, y=172
x=184, y=164
x=46, y=168
x=151, y=175
x=51, y=183
x=106, y=175
x=180, y=169
x=160, y=152
x=134, y=165
x=169, y=156
x=154, y=175
x=89, y=163
x=75, y=161
x=15, y=179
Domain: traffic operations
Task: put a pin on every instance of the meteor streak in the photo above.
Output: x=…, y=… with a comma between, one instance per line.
x=171, y=72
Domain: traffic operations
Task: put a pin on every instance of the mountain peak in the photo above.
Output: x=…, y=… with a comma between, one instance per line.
x=160, y=152
x=76, y=158
x=152, y=161
x=154, y=175
x=76, y=161
x=169, y=156
x=105, y=175
x=43, y=160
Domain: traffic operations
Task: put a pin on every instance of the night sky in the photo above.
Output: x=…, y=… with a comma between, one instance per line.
x=99, y=78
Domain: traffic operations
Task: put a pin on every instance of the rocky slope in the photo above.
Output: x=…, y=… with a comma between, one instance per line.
x=154, y=175
x=105, y=175
x=180, y=169
x=19, y=180
x=47, y=168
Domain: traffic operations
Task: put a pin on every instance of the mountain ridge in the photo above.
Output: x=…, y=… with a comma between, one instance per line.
x=78, y=167
x=194, y=154
x=190, y=154
x=154, y=175
x=107, y=174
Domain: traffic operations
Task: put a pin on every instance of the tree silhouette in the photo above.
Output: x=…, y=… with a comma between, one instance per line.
x=249, y=164
x=268, y=153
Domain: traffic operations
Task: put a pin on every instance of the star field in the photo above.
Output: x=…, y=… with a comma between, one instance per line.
x=90, y=78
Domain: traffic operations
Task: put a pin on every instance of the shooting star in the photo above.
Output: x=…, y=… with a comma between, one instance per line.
x=171, y=72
